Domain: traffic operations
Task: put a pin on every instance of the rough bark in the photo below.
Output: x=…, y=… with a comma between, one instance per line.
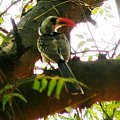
x=102, y=76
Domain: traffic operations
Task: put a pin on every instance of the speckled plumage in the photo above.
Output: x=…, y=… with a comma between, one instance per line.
x=54, y=47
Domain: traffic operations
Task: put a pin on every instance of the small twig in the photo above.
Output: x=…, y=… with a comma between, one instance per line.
x=115, y=49
x=3, y=30
x=87, y=23
x=55, y=9
x=104, y=111
x=92, y=37
x=24, y=81
x=90, y=51
x=51, y=9
x=114, y=110
x=9, y=7
x=90, y=30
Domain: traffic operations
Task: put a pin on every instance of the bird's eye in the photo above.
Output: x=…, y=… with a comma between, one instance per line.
x=53, y=20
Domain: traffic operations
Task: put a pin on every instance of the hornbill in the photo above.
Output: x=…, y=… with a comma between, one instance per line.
x=55, y=47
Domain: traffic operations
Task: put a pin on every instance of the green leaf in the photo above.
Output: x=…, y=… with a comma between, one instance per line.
x=81, y=44
x=79, y=36
x=94, y=114
x=19, y=96
x=90, y=58
x=51, y=86
x=1, y=20
x=97, y=10
x=2, y=38
x=60, y=84
x=69, y=109
x=7, y=87
x=89, y=40
x=44, y=83
x=29, y=7
x=86, y=49
x=36, y=85
x=5, y=99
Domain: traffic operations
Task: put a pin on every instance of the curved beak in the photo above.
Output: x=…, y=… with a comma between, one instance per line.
x=61, y=21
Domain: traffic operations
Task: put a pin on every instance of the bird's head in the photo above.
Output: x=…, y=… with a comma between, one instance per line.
x=52, y=23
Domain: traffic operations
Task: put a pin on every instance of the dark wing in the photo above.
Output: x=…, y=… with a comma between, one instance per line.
x=73, y=88
x=48, y=47
x=63, y=45
x=52, y=47
x=64, y=50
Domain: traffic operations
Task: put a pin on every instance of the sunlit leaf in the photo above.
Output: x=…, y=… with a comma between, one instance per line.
x=76, y=116
x=3, y=38
x=1, y=20
x=97, y=10
x=60, y=84
x=81, y=44
x=90, y=58
x=51, y=86
x=29, y=7
x=44, y=84
x=109, y=15
x=86, y=49
x=117, y=114
x=94, y=114
x=68, y=109
x=79, y=36
x=18, y=16
x=36, y=85
x=89, y=39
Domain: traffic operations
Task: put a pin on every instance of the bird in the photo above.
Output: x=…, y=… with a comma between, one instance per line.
x=55, y=47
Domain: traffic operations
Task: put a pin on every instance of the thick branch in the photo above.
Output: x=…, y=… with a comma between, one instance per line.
x=102, y=78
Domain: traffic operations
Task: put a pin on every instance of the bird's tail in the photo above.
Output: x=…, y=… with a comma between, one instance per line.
x=73, y=88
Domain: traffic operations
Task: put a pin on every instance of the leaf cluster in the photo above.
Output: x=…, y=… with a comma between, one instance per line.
x=42, y=82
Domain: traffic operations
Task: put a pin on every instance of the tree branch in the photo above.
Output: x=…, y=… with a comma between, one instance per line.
x=100, y=89
x=2, y=13
x=114, y=52
x=3, y=30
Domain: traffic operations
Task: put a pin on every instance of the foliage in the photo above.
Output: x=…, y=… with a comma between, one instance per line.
x=42, y=82
x=99, y=111
x=8, y=94
x=3, y=38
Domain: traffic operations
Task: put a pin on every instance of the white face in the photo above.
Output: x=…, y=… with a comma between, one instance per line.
x=56, y=28
x=39, y=32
